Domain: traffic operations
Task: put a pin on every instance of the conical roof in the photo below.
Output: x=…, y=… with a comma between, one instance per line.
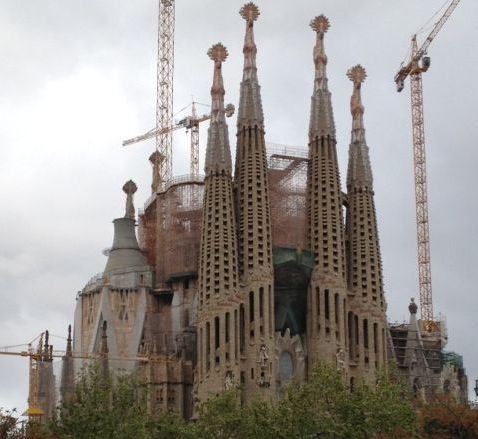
x=125, y=252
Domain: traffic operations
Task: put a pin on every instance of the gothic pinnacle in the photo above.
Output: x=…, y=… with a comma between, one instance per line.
x=320, y=25
x=250, y=104
x=357, y=75
x=218, y=155
x=359, y=171
x=250, y=13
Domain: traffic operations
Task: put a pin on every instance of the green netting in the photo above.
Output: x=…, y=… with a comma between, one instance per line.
x=452, y=358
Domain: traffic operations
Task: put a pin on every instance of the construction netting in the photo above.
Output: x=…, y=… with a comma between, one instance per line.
x=170, y=224
x=179, y=221
x=287, y=189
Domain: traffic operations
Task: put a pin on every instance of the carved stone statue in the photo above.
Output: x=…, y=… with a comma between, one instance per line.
x=263, y=357
x=229, y=380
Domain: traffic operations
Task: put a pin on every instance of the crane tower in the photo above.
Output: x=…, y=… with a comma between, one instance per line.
x=164, y=91
x=418, y=64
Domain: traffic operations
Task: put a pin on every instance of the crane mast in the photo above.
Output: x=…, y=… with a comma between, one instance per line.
x=164, y=91
x=418, y=64
x=194, y=142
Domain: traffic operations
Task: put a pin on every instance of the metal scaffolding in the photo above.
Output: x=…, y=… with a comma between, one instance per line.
x=287, y=188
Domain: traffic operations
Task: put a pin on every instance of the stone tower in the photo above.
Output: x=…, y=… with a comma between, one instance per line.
x=254, y=228
x=218, y=301
x=326, y=301
x=366, y=318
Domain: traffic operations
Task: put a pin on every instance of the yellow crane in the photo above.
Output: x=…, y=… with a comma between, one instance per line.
x=419, y=63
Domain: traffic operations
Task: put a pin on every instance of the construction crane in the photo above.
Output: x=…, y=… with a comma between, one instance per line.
x=44, y=355
x=419, y=63
x=190, y=122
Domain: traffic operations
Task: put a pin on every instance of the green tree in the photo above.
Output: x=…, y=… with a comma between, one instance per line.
x=104, y=407
x=321, y=408
x=9, y=424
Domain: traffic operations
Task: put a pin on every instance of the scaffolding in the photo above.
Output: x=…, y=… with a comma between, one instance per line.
x=171, y=221
x=179, y=222
x=287, y=188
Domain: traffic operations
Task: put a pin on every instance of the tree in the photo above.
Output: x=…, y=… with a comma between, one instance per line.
x=323, y=407
x=444, y=418
x=103, y=407
x=9, y=424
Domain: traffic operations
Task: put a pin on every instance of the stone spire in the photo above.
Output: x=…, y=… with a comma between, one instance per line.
x=250, y=104
x=254, y=226
x=364, y=265
x=104, y=353
x=359, y=171
x=364, y=261
x=218, y=152
x=327, y=292
x=321, y=117
x=218, y=356
x=67, y=386
x=415, y=359
x=129, y=189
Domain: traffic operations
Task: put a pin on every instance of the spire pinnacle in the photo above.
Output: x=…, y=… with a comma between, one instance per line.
x=218, y=155
x=218, y=53
x=357, y=75
x=68, y=342
x=360, y=171
x=322, y=118
x=129, y=189
x=250, y=105
x=250, y=13
x=320, y=25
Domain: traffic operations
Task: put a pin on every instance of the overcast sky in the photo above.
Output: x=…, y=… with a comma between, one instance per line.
x=78, y=77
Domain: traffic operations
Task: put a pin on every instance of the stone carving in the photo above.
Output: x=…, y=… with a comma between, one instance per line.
x=340, y=358
x=263, y=357
x=229, y=380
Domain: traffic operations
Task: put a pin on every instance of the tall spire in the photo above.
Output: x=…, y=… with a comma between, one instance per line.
x=325, y=324
x=254, y=226
x=250, y=104
x=364, y=265
x=359, y=171
x=218, y=152
x=321, y=118
x=218, y=276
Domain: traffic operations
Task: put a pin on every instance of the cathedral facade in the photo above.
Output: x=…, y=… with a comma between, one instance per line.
x=246, y=278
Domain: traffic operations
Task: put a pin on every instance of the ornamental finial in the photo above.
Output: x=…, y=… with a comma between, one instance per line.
x=320, y=24
x=250, y=12
x=357, y=74
x=218, y=53
x=129, y=189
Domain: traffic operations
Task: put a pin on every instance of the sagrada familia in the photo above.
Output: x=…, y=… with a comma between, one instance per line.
x=250, y=278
